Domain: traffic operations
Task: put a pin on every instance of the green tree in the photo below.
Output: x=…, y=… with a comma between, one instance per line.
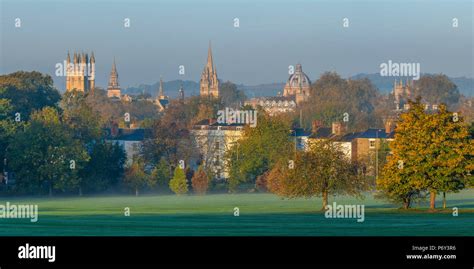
x=105, y=167
x=80, y=117
x=28, y=91
x=258, y=150
x=8, y=128
x=321, y=171
x=45, y=153
x=178, y=183
x=230, y=96
x=437, y=89
x=332, y=97
x=431, y=153
x=161, y=174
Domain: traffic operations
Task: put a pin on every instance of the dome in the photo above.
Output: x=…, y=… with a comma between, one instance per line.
x=298, y=79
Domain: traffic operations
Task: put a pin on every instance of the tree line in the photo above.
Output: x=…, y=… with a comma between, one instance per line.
x=56, y=144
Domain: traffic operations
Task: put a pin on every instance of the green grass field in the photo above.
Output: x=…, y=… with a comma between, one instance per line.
x=212, y=215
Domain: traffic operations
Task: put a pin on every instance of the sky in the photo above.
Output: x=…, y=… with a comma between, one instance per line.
x=271, y=36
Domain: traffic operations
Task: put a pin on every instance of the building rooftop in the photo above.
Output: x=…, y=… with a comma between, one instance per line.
x=124, y=134
x=300, y=132
x=375, y=133
x=326, y=132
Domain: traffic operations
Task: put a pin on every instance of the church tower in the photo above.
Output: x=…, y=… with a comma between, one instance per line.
x=161, y=99
x=80, y=73
x=402, y=92
x=113, y=89
x=209, y=84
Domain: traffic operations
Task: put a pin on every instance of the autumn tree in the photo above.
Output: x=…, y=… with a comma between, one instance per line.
x=431, y=153
x=321, y=171
x=332, y=97
x=200, y=181
x=136, y=177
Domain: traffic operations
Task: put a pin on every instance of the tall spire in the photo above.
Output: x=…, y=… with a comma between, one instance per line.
x=209, y=83
x=113, y=80
x=210, y=63
x=160, y=94
x=114, y=68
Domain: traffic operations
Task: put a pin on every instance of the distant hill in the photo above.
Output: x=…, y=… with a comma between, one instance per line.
x=271, y=89
x=171, y=88
x=385, y=84
x=191, y=88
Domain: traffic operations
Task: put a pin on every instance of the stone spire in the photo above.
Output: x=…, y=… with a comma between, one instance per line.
x=209, y=83
x=113, y=90
x=113, y=80
x=160, y=91
x=210, y=63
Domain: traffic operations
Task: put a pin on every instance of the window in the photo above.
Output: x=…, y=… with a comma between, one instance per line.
x=371, y=143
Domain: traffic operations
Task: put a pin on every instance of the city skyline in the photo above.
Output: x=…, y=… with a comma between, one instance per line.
x=165, y=35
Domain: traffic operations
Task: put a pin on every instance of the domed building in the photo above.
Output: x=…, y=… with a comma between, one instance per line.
x=298, y=85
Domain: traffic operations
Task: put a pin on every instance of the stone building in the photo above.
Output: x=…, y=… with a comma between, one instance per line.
x=274, y=104
x=402, y=92
x=296, y=90
x=213, y=140
x=80, y=73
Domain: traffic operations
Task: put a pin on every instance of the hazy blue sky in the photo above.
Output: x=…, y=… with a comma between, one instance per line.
x=272, y=35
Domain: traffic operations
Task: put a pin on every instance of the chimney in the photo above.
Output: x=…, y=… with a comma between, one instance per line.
x=336, y=128
x=315, y=125
x=389, y=126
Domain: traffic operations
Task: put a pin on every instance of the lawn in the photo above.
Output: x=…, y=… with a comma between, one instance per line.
x=260, y=214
